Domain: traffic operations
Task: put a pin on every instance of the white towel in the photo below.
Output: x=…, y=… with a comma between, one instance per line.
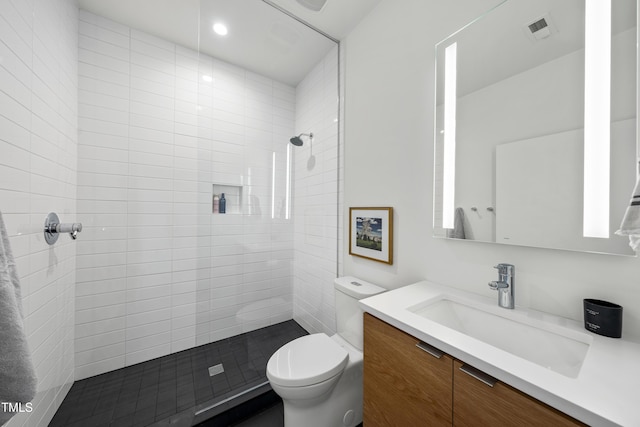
x=630, y=225
x=18, y=382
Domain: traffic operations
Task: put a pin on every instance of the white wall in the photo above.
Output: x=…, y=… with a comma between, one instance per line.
x=38, y=156
x=389, y=121
x=316, y=174
x=157, y=272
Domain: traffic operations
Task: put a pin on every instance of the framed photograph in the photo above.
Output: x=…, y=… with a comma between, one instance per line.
x=371, y=233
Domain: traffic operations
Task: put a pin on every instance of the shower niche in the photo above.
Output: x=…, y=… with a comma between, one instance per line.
x=233, y=196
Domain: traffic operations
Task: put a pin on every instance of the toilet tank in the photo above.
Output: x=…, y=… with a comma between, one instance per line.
x=348, y=313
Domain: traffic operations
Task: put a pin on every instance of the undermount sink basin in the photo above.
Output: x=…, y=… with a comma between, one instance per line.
x=549, y=346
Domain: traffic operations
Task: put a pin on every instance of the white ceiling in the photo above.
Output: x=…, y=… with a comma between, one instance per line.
x=337, y=18
x=261, y=38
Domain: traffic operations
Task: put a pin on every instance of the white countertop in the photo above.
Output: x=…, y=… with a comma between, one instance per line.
x=606, y=391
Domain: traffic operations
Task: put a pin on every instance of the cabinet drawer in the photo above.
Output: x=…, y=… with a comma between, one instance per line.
x=477, y=403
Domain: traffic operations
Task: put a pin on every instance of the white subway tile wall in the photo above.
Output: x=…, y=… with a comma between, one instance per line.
x=316, y=176
x=159, y=125
x=38, y=157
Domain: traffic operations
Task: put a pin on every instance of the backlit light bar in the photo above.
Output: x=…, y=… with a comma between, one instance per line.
x=449, y=164
x=597, y=118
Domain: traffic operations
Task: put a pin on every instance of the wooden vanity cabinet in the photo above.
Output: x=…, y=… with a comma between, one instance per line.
x=403, y=384
x=493, y=403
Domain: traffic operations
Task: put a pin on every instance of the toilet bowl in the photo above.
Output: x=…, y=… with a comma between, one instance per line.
x=319, y=377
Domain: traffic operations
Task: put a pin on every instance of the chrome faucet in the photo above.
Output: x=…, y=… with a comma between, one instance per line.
x=504, y=285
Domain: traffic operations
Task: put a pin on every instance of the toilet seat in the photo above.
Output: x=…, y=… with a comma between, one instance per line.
x=307, y=360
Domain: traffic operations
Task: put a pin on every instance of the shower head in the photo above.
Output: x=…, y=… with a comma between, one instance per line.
x=297, y=140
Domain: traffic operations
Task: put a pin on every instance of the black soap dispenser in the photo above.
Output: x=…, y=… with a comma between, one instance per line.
x=222, y=204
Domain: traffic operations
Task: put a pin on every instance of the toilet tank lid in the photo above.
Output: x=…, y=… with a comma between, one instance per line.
x=357, y=288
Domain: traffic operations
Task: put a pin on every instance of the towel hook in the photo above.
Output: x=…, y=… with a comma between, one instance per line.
x=53, y=228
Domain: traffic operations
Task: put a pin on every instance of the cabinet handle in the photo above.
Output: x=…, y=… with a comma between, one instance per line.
x=479, y=375
x=430, y=349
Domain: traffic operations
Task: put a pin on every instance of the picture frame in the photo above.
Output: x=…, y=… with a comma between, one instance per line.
x=371, y=233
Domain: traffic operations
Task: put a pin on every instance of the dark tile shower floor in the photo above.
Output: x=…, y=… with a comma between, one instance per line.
x=177, y=390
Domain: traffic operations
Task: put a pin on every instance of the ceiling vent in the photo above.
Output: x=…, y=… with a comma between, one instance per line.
x=540, y=28
x=315, y=5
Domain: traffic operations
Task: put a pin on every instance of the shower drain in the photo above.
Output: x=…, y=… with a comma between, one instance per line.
x=216, y=369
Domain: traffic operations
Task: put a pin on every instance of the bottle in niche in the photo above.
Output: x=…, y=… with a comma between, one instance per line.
x=216, y=203
x=222, y=204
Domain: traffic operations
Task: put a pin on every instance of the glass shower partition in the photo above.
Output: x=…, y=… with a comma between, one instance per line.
x=169, y=120
x=275, y=246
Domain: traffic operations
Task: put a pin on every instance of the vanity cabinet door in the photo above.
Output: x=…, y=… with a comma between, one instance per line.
x=404, y=385
x=478, y=404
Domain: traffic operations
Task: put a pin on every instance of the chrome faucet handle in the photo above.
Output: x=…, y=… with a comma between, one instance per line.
x=504, y=269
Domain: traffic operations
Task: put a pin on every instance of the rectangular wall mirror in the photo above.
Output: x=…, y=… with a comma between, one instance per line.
x=532, y=146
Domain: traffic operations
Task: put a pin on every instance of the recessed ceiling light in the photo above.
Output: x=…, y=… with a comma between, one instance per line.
x=207, y=78
x=220, y=29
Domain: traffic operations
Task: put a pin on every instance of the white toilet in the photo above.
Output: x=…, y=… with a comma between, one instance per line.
x=318, y=377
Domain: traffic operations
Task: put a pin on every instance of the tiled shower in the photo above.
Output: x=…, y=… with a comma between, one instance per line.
x=132, y=135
